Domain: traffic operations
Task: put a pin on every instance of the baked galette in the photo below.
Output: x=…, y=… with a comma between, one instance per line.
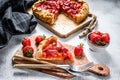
x=48, y=10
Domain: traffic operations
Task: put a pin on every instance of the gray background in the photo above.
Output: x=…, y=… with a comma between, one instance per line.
x=108, y=14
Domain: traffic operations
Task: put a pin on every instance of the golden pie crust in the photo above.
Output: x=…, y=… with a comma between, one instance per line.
x=83, y=13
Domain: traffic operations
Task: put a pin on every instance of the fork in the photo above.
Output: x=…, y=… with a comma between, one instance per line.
x=80, y=70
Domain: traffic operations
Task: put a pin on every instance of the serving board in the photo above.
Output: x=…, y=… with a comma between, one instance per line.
x=98, y=69
x=64, y=26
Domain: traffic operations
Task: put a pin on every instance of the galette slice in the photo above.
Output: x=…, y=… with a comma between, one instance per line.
x=46, y=10
x=52, y=50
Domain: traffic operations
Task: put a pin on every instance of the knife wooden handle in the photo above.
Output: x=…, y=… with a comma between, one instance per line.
x=100, y=69
x=90, y=27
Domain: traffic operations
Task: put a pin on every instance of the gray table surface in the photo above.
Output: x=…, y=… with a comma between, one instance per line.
x=108, y=14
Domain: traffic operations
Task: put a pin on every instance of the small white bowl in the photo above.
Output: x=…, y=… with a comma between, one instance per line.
x=94, y=47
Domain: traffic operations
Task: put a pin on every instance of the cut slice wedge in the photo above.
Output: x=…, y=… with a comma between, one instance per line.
x=52, y=50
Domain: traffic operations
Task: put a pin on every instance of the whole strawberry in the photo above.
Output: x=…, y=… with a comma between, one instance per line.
x=26, y=42
x=28, y=51
x=78, y=50
x=106, y=38
x=39, y=38
x=95, y=38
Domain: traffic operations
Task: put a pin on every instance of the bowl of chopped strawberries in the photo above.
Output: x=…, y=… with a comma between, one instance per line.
x=98, y=41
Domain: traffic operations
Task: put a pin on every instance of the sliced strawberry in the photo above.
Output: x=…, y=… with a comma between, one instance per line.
x=46, y=3
x=48, y=47
x=78, y=10
x=50, y=10
x=38, y=5
x=54, y=43
x=58, y=6
x=64, y=50
x=45, y=7
x=70, y=56
x=65, y=8
x=61, y=3
x=51, y=52
x=72, y=6
x=79, y=5
x=74, y=11
x=69, y=11
x=75, y=6
x=66, y=3
x=53, y=11
x=59, y=46
x=48, y=7
x=67, y=56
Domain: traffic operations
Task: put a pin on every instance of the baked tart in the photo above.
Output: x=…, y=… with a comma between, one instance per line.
x=53, y=51
x=48, y=10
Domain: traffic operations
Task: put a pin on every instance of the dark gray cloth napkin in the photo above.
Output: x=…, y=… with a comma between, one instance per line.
x=14, y=19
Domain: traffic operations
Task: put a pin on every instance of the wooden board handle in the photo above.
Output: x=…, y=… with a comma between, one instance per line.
x=100, y=69
x=90, y=27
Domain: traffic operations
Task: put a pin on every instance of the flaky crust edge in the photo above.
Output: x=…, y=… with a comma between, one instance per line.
x=83, y=13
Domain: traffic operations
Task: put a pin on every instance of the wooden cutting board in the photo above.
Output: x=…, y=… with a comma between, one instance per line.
x=98, y=69
x=64, y=26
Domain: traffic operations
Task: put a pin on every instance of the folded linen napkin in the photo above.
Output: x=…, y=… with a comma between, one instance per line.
x=14, y=19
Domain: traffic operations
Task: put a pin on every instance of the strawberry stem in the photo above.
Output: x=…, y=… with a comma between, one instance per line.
x=100, y=43
x=29, y=53
x=81, y=44
x=43, y=36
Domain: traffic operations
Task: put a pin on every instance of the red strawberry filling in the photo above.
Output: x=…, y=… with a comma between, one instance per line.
x=56, y=50
x=71, y=7
x=53, y=6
